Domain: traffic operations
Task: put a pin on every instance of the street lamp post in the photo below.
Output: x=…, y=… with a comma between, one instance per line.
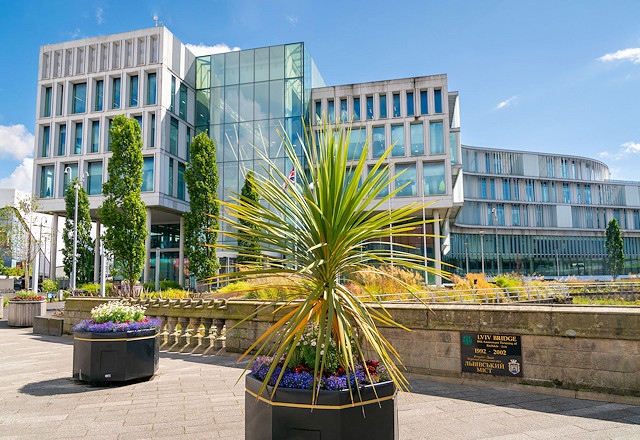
x=466, y=254
x=76, y=186
x=495, y=223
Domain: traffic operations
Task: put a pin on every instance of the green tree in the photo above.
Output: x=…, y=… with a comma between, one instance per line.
x=615, y=249
x=85, y=252
x=248, y=244
x=200, y=223
x=123, y=212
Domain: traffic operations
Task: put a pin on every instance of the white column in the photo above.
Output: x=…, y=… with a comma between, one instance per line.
x=54, y=248
x=96, y=253
x=437, y=245
x=181, y=254
x=147, y=246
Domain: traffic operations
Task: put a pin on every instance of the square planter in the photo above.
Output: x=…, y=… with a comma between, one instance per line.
x=47, y=325
x=115, y=356
x=290, y=415
x=21, y=313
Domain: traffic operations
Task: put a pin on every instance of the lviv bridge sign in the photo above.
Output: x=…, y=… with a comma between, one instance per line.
x=489, y=353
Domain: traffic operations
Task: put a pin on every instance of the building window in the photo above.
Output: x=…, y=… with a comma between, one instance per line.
x=152, y=130
x=45, y=141
x=133, y=91
x=492, y=188
x=115, y=97
x=587, y=194
x=46, y=182
x=383, y=106
x=170, y=180
x=62, y=140
x=183, y=102
x=566, y=193
x=565, y=168
x=539, y=216
x=385, y=191
x=397, y=138
x=545, y=191
x=147, y=175
x=396, y=105
x=173, y=137
x=94, y=181
x=516, y=190
x=356, y=142
x=553, y=192
x=344, y=114
x=95, y=136
x=434, y=178
x=417, y=139
x=331, y=111
x=78, y=138
x=408, y=178
x=356, y=109
x=482, y=192
x=410, y=104
x=187, y=141
x=99, y=95
x=318, y=111
x=369, y=107
x=424, y=102
x=173, y=95
x=378, y=140
x=48, y=96
x=506, y=190
x=579, y=192
x=515, y=215
x=67, y=178
x=59, y=100
x=530, y=193
x=636, y=219
x=151, y=89
x=525, y=216
x=181, y=184
x=500, y=214
x=436, y=138
x=551, y=171
x=437, y=100
x=79, y=98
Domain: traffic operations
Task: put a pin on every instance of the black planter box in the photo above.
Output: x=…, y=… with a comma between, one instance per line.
x=115, y=356
x=290, y=415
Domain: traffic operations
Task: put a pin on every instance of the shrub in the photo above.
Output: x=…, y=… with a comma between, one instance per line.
x=164, y=285
x=168, y=293
x=25, y=295
x=49, y=285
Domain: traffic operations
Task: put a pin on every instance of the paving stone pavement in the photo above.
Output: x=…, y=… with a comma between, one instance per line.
x=194, y=396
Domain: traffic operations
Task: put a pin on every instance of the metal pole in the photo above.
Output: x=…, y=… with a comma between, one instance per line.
x=75, y=241
x=157, y=274
x=495, y=223
x=103, y=270
x=466, y=254
x=424, y=241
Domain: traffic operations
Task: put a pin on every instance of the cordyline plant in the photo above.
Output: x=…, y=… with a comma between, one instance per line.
x=315, y=231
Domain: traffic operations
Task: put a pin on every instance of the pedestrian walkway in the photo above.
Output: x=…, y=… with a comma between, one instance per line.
x=194, y=396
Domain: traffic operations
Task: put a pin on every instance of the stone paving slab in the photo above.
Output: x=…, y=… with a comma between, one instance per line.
x=200, y=397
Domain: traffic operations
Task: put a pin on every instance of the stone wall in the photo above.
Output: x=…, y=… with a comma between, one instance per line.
x=580, y=348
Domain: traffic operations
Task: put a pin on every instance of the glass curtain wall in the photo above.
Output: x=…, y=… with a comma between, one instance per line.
x=247, y=98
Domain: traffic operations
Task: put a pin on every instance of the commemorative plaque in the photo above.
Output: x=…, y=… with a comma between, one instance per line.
x=493, y=354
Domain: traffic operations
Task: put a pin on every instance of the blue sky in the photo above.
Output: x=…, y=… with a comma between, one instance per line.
x=554, y=76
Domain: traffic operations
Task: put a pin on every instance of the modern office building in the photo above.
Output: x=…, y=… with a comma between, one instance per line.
x=538, y=202
x=242, y=99
x=540, y=213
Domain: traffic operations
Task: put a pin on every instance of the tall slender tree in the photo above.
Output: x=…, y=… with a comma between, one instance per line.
x=248, y=244
x=123, y=212
x=85, y=252
x=615, y=249
x=200, y=223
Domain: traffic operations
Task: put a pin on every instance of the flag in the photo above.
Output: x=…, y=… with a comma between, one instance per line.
x=291, y=178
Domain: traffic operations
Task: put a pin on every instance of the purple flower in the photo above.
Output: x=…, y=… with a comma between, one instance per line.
x=89, y=325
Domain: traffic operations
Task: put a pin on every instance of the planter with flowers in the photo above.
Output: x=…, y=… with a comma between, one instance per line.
x=118, y=344
x=324, y=225
x=23, y=307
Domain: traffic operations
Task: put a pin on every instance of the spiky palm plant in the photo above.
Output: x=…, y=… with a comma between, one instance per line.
x=315, y=231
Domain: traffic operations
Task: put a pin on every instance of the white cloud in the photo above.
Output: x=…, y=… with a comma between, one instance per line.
x=507, y=102
x=631, y=54
x=626, y=149
x=15, y=141
x=202, y=49
x=99, y=13
x=21, y=177
x=292, y=20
